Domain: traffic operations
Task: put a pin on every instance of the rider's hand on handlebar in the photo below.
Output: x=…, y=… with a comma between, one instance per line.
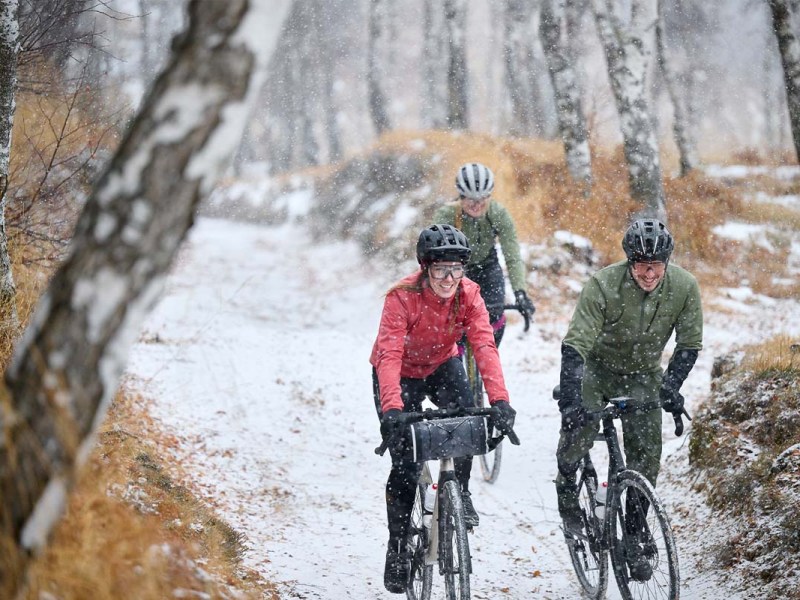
x=573, y=417
x=390, y=422
x=524, y=304
x=671, y=400
x=503, y=421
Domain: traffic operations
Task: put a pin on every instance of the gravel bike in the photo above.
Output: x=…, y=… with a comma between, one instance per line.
x=630, y=524
x=491, y=461
x=437, y=531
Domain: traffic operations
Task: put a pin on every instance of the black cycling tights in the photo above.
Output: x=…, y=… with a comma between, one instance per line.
x=446, y=387
x=489, y=276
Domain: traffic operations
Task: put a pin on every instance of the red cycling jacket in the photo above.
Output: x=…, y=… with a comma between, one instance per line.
x=418, y=333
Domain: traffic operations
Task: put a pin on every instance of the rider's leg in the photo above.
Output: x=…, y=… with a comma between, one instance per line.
x=489, y=275
x=402, y=482
x=573, y=446
x=449, y=386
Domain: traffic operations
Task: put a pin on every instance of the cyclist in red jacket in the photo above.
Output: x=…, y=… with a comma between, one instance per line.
x=415, y=356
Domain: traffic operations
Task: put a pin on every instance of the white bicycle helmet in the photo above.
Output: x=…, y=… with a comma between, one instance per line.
x=475, y=181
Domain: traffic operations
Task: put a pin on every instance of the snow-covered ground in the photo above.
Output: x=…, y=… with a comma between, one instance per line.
x=257, y=358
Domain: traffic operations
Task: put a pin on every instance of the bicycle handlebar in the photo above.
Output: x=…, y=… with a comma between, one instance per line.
x=407, y=418
x=513, y=307
x=620, y=405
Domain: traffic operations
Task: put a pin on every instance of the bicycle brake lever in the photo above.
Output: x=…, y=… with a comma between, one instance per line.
x=678, y=418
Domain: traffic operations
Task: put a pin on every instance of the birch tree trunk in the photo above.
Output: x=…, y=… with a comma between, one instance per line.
x=790, y=59
x=681, y=126
x=519, y=68
x=434, y=66
x=378, y=41
x=9, y=51
x=571, y=120
x=457, y=102
x=67, y=366
x=628, y=49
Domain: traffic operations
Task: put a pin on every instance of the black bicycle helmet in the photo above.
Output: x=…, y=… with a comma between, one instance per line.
x=474, y=181
x=648, y=240
x=442, y=243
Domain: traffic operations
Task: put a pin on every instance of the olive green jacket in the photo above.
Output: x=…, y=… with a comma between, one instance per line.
x=481, y=234
x=624, y=329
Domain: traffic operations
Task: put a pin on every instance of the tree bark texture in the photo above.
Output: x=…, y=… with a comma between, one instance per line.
x=681, y=123
x=67, y=366
x=520, y=75
x=571, y=120
x=9, y=53
x=457, y=80
x=790, y=58
x=628, y=50
x=377, y=45
x=435, y=63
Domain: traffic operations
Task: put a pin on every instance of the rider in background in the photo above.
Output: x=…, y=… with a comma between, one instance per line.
x=415, y=356
x=625, y=316
x=483, y=221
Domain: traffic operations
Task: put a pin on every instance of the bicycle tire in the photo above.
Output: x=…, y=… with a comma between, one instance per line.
x=491, y=461
x=420, y=579
x=589, y=554
x=455, y=562
x=659, y=547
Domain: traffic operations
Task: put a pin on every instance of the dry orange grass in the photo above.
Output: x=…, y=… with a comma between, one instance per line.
x=130, y=531
x=780, y=353
x=533, y=183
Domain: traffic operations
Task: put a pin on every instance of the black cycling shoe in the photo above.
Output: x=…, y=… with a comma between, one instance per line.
x=395, y=573
x=639, y=567
x=471, y=517
x=572, y=520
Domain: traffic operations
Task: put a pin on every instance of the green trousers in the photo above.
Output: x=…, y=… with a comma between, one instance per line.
x=641, y=432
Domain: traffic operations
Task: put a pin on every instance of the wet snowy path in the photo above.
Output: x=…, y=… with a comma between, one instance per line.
x=256, y=358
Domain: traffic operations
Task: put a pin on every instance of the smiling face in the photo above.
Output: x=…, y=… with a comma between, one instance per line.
x=648, y=275
x=475, y=208
x=444, y=278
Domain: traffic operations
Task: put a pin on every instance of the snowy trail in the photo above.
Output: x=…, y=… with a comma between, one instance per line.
x=256, y=357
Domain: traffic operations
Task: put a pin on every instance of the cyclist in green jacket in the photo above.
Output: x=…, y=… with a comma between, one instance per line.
x=625, y=316
x=484, y=221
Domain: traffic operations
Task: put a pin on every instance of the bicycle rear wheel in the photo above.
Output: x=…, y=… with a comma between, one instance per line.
x=455, y=560
x=640, y=528
x=490, y=462
x=589, y=556
x=420, y=580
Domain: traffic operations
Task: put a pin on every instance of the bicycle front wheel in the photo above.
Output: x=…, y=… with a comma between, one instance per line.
x=490, y=462
x=454, y=558
x=420, y=580
x=589, y=555
x=643, y=550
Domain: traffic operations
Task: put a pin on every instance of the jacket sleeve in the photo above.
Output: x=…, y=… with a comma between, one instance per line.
x=481, y=339
x=587, y=320
x=389, y=346
x=507, y=234
x=689, y=326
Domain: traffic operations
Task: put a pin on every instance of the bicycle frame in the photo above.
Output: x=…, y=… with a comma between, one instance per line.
x=446, y=473
x=625, y=530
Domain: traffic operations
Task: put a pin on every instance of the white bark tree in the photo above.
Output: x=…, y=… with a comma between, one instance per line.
x=571, y=120
x=789, y=47
x=378, y=44
x=520, y=71
x=681, y=121
x=67, y=366
x=9, y=52
x=627, y=33
x=457, y=80
x=435, y=52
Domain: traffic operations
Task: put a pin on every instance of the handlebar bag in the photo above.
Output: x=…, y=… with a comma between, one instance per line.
x=449, y=438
